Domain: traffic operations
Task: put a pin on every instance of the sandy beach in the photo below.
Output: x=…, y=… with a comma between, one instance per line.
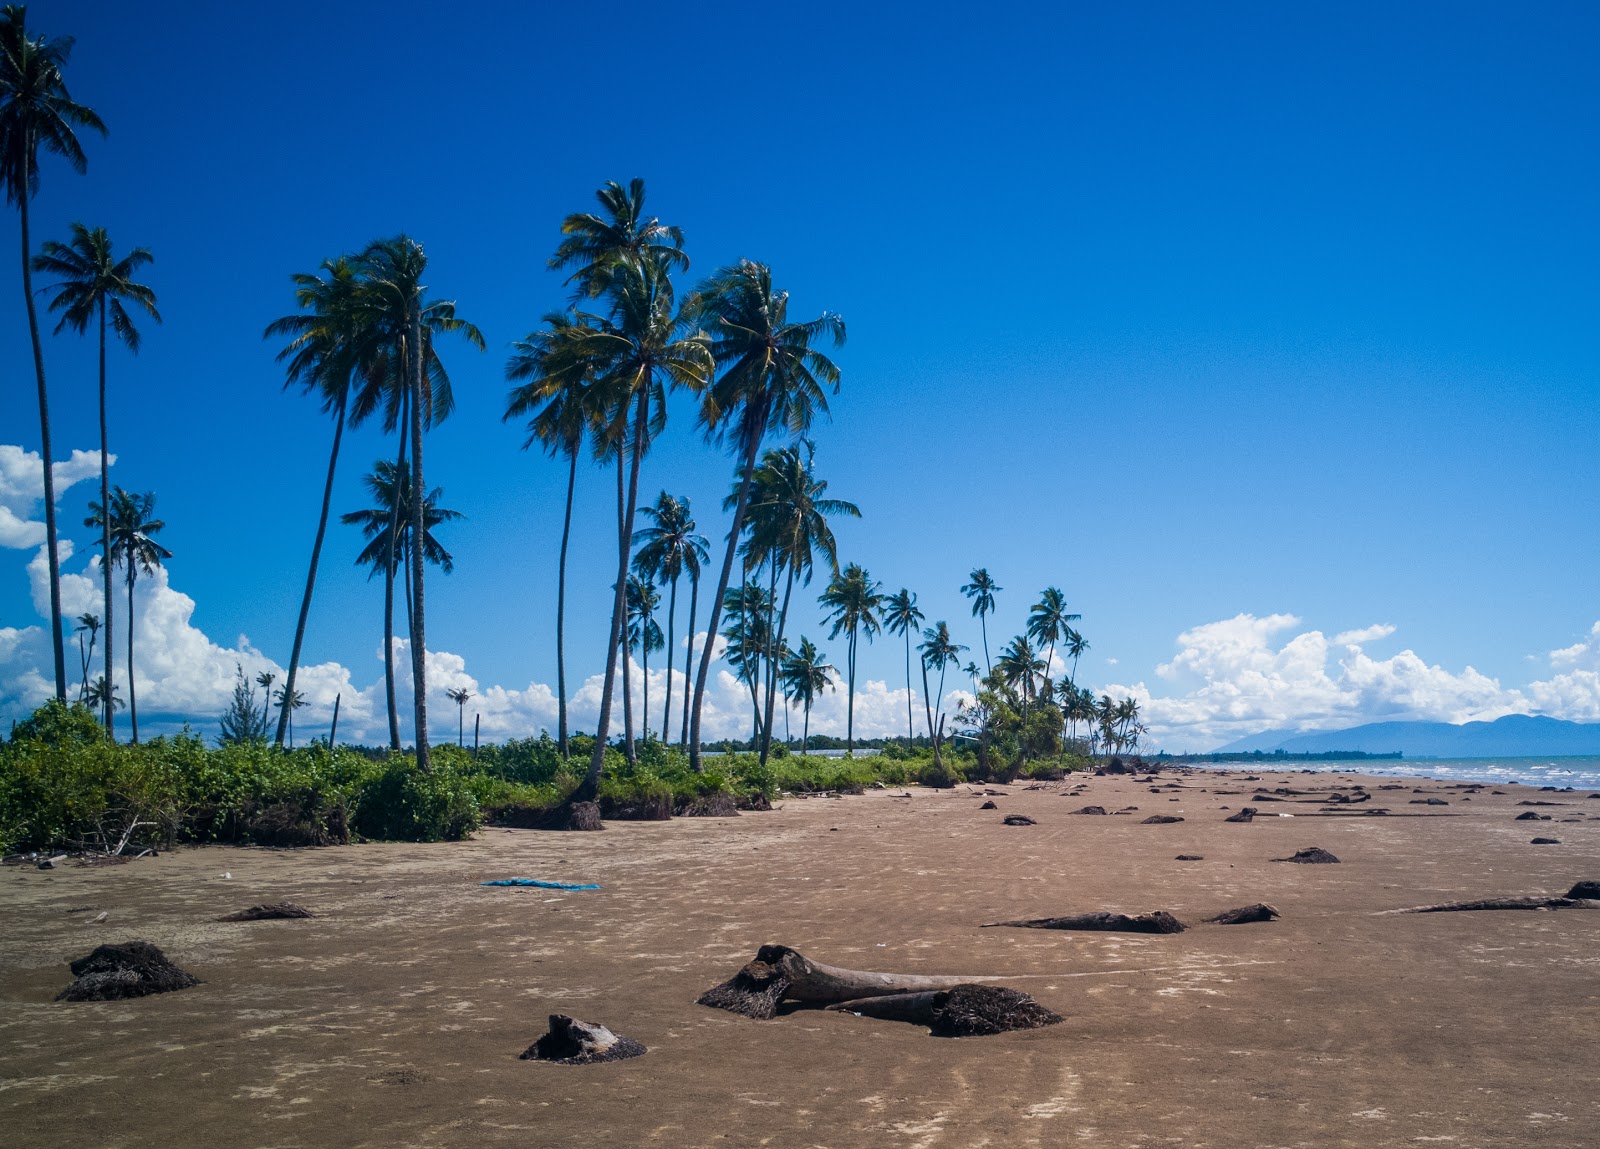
x=395, y=1016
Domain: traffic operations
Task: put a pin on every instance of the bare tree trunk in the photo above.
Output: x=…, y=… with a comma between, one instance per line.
x=333, y=731
x=672, y=614
x=419, y=630
x=133, y=701
x=105, y=534
x=716, y=602
x=52, y=559
x=627, y=645
x=316, y=554
x=561, y=613
x=688, y=658
x=772, y=676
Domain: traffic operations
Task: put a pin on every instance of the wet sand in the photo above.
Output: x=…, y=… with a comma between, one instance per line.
x=396, y=1017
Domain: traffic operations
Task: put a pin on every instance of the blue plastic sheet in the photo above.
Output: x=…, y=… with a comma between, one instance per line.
x=540, y=884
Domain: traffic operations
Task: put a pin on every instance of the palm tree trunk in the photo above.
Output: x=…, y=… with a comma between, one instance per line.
x=105, y=530
x=716, y=601
x=983, y=621
x=805, y=733
x=133, y=701
x=461, y=724
x=316, y=554
x=910, y=734
x=561, y=612
x=419, y=630
x=672, y=614
x=644, y=697
x=389, y=567
x=927, y=704
x=333, y=731
x=688, y=658
x=44, y=450
x=850, y=708
x=627, y=645
x=772, y=675
x=589, y=789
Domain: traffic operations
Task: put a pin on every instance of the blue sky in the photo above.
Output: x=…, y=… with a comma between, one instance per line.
x=1240, y=325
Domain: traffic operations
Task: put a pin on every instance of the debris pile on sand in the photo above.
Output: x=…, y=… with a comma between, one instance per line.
x=966, y=1010
x=270, y=911
x=1311, y=856
x=127, y=969
x=1247, y=814
x=1018, y=820
x=574, y=1042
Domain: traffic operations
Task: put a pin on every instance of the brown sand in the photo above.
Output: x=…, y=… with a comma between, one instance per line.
x=396, y=1016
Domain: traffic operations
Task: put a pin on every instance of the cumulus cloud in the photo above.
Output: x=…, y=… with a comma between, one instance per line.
x=1365, y=635
x=22, y=490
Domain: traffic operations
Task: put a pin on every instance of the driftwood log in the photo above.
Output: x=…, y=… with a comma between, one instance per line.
x=1311, y=856
x=778, y=973
x=1259, y=912
x=967, y=1010
x=1247, y=814
x=272, y=911
x=1090, y=810
x=1018, y=820
x=1160, y=820
x=573, y=1042
x=1517, y=903
x=1156, y=922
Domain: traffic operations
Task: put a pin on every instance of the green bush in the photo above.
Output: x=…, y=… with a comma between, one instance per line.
x=401, y=803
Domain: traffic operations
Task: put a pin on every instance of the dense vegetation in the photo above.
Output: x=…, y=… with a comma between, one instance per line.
x=64, y=785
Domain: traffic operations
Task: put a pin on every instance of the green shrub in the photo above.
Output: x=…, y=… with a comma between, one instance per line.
x=401, y=803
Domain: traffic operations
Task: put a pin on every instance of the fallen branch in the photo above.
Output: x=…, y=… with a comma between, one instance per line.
x=1156, y=922
x=1527, y=903
x=778, y=973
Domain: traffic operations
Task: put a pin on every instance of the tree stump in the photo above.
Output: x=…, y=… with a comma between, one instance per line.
x=574, y=1042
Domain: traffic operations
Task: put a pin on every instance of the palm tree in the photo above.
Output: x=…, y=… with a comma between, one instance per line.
x=772, y=379
x=90, y=623
x=901, y=616
x=93, y=284
x=806, y=674
x=387, y=526
x=668, y=549
x=971, y=671
x=131, y=529
x=938, y=652
x=853, y=602
x=788, y=512
x=1049, y=622
x=1075, y=647
x=265, y=680
x=746, y=609
x=104, y=697
x=393, y=305
x=644, y=633
x=599, y=245
x=37, y=111
x=328, y=350
x=557, y=394
x=981, y=590
x=459, y=695
x=288, y=702
x=1020, y=665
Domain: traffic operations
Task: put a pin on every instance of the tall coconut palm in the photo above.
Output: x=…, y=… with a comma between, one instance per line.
x=459, y=695
x=392, y=304
x=806, y=674
x=288, y=702
x=1076, y=647
x=91, y=624
x=638, y=353
x=746, y=609
x=853, y=602
x=1021, y=666
x=103, y=695
x=598, y=245
x=1049, y=622
x=668, y=549
x=388, y=528
x=770, y=379
x=901, y=616
x=327, y=352
x=91, y=286
x=644, y=633
x=36, y=110
x=133, y=526
x=557, y=395
x=981, y=589
x=265, y=679
x=938, y=652
x=788, y=511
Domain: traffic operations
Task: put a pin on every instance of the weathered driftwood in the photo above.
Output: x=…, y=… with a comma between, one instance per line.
x=1545, y=842
x=1160, y=820
x=1311, y=855
x=1258, y=912
x=778, y=973
x=967, y=1010
x=1155, y=922
x=1189, y=858
x=271, y=911
x=1018, y=820
x=1519, y=903
x=130, y=969
x=989, y=805
x=1090, y=810
x=1247, y=814
x=1585, y=890
x=574, y=1042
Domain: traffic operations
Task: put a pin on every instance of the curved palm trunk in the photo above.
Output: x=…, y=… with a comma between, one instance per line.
x=644, y=694
x=772, y=669
x=672, y=614
x=589, y=789
x=105, y=532
x=688, y=658
x=52, y=558
x=850, y=707
x=627, y=646
x=389, y=566
x=419, y=633
x=561, y=612
x=133, y=701
x=805, y=732
x=716, y=602
x=983, y=621
x=910, y=734
x=316, y=555
x=927, y=704
x=461, y=724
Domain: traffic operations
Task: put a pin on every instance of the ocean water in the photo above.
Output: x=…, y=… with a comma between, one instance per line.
x=1580, y=773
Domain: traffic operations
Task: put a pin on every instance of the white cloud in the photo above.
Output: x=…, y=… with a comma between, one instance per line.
x=1364, y=635
x=22, y=490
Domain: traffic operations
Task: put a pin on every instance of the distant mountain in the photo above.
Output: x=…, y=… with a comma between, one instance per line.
x=1514, y=736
